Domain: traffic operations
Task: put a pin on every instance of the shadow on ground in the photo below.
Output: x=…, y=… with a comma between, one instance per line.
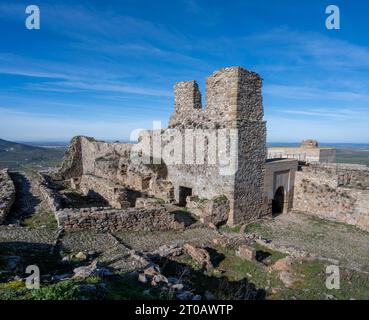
x=201, y=281
x=25, y=201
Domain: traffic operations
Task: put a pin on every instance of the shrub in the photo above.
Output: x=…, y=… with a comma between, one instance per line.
x=64, y=290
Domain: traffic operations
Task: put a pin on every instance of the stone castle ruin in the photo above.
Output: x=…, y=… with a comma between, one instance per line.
x=211, y=164
x=116, y=172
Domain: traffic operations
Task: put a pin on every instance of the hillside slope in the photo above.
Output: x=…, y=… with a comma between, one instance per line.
x=17, y=155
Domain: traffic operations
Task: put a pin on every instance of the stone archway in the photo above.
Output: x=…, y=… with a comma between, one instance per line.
x=278, y=202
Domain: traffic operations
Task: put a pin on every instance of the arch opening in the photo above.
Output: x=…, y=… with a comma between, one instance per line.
x=278, y=202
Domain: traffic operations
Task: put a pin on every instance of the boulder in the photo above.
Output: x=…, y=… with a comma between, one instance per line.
x=221, y=241
x=200, y=255
x=81, y=256
x=94, y=269
x=246, y=252
x=284, y=268
x=185, y=295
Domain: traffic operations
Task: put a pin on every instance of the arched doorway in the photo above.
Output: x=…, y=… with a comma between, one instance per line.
x=278, y=202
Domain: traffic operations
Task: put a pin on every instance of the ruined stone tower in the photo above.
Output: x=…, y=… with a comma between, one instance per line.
x=233, y=101
x=213, y=156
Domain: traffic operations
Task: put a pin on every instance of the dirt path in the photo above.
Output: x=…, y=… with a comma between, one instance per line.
x=327, y=239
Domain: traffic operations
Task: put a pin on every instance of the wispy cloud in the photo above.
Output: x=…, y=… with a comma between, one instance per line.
x=304, y=92
x=102, y=87
x=75, y=77
x=106, y=63
x=311, y=47
x=341, y=114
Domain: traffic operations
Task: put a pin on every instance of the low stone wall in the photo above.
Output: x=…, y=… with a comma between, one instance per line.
x=50, y=195
x=304, y=154
x=154, y=217
x=135, y=219
x=116, y=195
x=7, y=194
x=318, y=192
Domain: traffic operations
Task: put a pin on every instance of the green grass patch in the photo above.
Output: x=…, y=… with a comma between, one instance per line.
x=311, y=286
x=322, y=224
x=226, y=228
x=94, y=288
x=273, y=255
x=41, y=219
x=237, y=268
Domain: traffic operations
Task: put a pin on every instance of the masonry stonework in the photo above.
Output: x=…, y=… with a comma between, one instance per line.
x=334, y=191
x=7, y=194
x=233, y=101
x=230, y=133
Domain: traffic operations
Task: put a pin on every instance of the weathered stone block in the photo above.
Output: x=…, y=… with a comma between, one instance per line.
x=246, y=252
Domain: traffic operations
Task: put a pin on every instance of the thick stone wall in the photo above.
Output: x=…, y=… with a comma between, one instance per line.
x=86, y=155
x=233, y=101
x=135, y=219
x=107, y=168
x=7, y=194
x=249, y=178
x=318, y=191
x=353, y=176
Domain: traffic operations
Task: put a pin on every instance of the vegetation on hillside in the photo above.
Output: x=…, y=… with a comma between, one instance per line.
x=17, y=155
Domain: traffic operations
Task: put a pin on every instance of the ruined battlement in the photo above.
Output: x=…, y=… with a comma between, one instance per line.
x=187, y=96
x=233, y=95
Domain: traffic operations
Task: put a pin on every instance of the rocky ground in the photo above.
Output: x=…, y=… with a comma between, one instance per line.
x=281, y=258
x=328, y=240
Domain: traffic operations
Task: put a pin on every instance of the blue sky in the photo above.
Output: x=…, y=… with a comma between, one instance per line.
x=105, y=68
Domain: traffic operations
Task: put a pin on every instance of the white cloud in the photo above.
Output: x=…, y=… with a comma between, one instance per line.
x=305, y=92
x=338, y=114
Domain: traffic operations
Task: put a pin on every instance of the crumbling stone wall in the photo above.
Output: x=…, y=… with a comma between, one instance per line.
x=49, y=193
x=135, y=219
x=108, y=169
x=214, y=211
x=86, y=155
x=309, y=143
x=7, y=194
x=342, y=174
x=152, y=217
x=318, y=192
x=116, y=195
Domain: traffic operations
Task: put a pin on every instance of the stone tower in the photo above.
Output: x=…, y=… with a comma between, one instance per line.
x=233, y=101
